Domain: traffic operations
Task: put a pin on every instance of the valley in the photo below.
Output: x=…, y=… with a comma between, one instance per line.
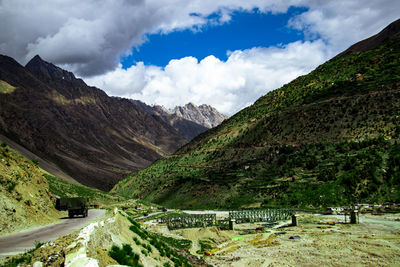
x=191, y=187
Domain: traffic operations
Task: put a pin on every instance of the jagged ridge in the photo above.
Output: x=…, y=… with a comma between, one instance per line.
x=186, y=128
x=204, y=114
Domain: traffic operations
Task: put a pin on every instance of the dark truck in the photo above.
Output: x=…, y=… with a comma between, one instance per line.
x=74, y=205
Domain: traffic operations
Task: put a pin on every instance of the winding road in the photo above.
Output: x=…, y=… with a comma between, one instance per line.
x=19, y=243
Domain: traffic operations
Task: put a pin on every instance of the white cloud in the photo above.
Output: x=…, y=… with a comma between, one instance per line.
x=228, y=86
x=341, y=23
x=88, y=37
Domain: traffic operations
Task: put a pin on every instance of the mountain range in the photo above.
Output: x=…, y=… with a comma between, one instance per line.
x=90, y=137
x=331, y=137
x=189, y=120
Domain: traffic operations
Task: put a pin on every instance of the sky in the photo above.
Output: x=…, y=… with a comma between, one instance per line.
x=225, y=53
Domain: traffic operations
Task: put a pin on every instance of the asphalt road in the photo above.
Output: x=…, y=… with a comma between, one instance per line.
x=19, y=243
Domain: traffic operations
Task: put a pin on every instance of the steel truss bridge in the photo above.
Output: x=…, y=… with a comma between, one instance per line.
x=244, y=216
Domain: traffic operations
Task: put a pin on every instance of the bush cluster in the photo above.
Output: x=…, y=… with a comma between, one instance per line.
x=125, y=255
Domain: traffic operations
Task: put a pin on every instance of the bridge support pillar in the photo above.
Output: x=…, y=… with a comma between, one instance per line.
x=294, y=220
x=231, y=224
x=353, y=216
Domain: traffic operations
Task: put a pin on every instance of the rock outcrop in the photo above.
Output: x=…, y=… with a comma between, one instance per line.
x=187, y=128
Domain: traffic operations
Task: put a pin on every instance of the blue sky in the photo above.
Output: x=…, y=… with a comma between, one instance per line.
x=245, y=30
x=179, y=49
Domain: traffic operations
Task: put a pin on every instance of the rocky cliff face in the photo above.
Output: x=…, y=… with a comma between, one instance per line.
x=94, y=138
x=204, y=114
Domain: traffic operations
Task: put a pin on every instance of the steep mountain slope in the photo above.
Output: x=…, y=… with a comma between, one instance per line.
x=44, y=164
x=94, y=138
x=330, y=137
x=25, y=199
x=204, y=114
x=186, y=128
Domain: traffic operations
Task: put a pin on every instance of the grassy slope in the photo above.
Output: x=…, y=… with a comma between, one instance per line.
x=16, y=169
x=326, y=138
x=63, y=188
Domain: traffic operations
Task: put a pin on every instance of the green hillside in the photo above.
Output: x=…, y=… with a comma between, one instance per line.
x=327, y=138
x=63, y=188
x=25, y=200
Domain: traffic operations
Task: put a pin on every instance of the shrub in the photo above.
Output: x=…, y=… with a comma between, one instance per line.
x=136, y=240
x=144, y=252
x=176, y=243
x=11, y=186
x=35, y=161
x=124, y=255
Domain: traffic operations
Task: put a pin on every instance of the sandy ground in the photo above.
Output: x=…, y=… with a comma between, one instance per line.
x=375, y=241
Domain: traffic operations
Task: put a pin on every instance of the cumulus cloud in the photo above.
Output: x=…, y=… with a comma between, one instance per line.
x=344, y=22
x=228, y=86
x=88, y=37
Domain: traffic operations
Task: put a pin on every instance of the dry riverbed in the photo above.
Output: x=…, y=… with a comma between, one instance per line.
x=375, y=241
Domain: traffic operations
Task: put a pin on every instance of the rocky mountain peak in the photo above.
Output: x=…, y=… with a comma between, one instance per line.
x=190, y=105
x=204, y=114
x=162, y=108
x=44, y=69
